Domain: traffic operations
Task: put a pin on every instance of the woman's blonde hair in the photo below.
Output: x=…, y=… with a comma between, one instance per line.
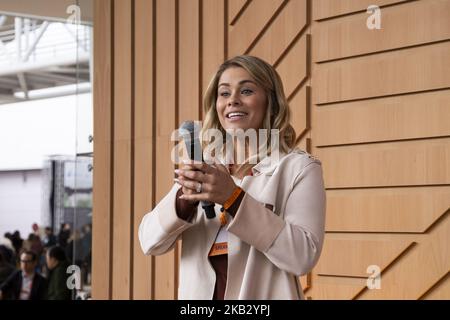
x=278, y=113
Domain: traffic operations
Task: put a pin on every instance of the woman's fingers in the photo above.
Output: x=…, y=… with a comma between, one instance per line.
x=204, y=167
x=195, y=197
x=192, y=175
x=193, y=185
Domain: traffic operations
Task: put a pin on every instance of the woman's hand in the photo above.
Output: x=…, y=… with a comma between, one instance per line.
x=217, y=185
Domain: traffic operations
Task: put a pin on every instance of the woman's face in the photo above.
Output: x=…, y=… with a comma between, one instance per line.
x=241, y=103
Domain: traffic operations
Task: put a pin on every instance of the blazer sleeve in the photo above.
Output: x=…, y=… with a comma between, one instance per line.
x=293, y=243
x=160, y=228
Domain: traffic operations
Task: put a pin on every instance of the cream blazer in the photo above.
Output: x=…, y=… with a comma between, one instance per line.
x=267, y=248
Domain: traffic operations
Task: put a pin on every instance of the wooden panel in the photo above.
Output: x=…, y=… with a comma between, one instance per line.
x=393, y=118
x=122, y=151
x=189, y=78
x=335, y=288
x=386, y=210
x=102, y=94
x=303, y=143
x=399, y=97
x=235, y=7
x=293, y=69
x=352, y=258
x=441, y=291
x=426, y=263
x=331, y=8
x=299, y=110
x=282, y=32
x=213, y=39
x=142, y=265
x=400, y=27
x=165, y=286
x=409, y=70
x=388, y=164
x=250, y=25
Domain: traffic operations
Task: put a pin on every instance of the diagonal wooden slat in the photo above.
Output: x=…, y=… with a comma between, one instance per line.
x=235, y=9
x=293, y=69
x=250, y=25
x=299, y=106
x=283, y=31
x=438, y=291
x=419, y=269
x=352, y=258
x=334, y=288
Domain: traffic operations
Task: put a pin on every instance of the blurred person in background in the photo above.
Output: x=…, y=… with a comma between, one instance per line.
x=6, y=267
x=64, y=235
x=49, y=239
x=17, y=242
x=57, y=278
x=26, y=283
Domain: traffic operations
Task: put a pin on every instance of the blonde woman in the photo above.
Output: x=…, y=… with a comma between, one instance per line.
x=270, y=213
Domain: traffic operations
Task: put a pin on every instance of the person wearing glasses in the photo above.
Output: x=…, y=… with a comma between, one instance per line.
x=26, y=283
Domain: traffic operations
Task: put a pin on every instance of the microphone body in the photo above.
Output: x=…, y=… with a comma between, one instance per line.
x=190, y=132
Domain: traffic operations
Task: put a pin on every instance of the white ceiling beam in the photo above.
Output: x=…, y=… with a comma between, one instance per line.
x=34, y=66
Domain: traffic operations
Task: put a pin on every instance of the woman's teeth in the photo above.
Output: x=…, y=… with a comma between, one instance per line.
x=236, y=114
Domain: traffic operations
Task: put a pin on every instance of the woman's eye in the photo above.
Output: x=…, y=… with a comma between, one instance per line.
x=246, y=91
x=224, y=94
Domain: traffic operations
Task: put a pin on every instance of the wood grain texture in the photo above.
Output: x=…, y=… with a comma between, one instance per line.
x=102, y=94
x=165, y=286
x=332, y=8
x=283, y=31
x=422, y=162
x=397, y=72
x=250, y=24
x=385, y=119
x=143, y=160
x=121, y=264
x=386, y=209
x=352, y=259
x=410, y=24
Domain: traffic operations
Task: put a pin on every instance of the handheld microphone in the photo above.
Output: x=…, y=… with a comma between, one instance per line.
x=190, y=132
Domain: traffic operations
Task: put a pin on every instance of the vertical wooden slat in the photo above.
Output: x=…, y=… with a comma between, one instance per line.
x=165, y=268
x=189, y=61
x=101, y=244
x=122, y=150
x=213, y=39
x=142, y=267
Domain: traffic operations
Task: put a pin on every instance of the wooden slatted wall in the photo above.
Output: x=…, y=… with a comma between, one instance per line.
x=381, y=126
x=373, y=105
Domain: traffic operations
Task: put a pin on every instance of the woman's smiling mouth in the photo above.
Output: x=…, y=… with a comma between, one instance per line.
x=235, y=116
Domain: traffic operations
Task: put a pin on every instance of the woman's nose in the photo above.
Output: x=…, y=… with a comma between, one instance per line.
x=233, y=100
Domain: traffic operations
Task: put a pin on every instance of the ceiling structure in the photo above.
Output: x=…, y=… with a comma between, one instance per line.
x=43, y=57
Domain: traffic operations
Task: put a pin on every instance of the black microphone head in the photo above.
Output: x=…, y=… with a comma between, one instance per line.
x=190, y=132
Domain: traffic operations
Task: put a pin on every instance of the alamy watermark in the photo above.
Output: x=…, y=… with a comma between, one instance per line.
x=234, y=146
x=374, y=280
x=74, y=280
x=75, y=14
x=374, y=20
